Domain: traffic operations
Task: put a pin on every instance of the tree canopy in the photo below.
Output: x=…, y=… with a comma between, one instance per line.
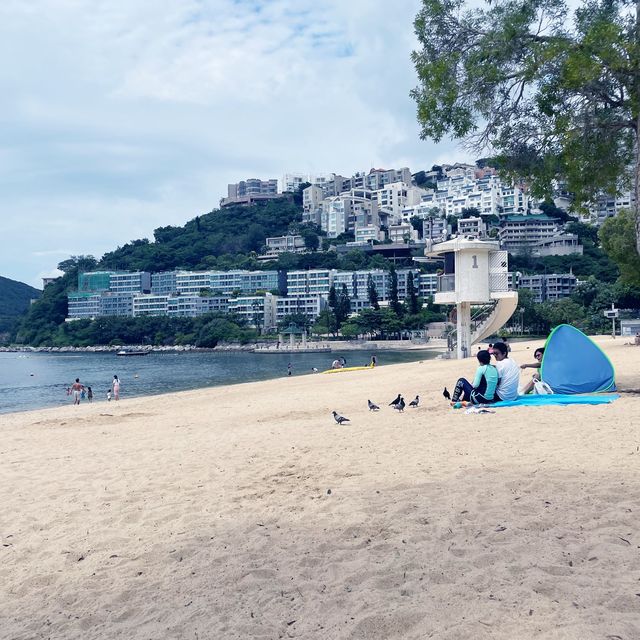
x=556, y=94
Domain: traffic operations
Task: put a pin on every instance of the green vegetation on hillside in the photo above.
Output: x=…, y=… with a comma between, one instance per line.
x=15, y=298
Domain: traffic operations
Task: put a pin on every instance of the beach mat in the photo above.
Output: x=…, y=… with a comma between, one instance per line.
x=557, y=399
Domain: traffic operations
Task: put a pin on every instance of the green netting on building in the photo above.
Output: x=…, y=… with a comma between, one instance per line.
x=93, y=281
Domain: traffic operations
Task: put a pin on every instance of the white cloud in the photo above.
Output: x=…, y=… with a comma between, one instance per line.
x=120, y=116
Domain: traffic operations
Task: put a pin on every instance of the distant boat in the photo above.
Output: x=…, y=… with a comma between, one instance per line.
x=123, y=352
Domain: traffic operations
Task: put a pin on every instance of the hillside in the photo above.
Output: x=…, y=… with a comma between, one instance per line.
x=233, y=231
x=15, y=298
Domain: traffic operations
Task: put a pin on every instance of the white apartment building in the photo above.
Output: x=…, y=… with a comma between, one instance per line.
x=312, y=198
x=116, y=304
x=472, y=228
x=349, y=211
x=163, y=282
x=257, y=311
x=428, y=285
x=346, y=278
x=366, y=234
x=291, y=182
x=83, y=305
x=378, y=178
x=530, y=232
x=311, y=282
x=308, y=305
x=552, y=286
x=563, y=244
x=150, y=305
x=608, y=206
x=379, y=278
x=191, y=306
x=488, y=194
x=130, y=282
x=192, y=282
x=282, y=244
x=393, y=198
x=402, y=233
x=250, y=190
x=226, y=282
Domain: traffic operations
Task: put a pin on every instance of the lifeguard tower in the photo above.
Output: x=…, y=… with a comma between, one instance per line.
x=475, y=274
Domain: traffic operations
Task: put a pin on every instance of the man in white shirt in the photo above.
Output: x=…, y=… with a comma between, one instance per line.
x=508, y=372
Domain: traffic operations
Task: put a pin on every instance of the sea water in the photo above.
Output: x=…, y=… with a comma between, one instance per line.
x=36, y=380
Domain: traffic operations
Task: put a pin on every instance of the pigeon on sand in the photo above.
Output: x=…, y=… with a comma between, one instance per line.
x=339, y=419
x=399, y=406
x=446, y=394
x=393, y=402
x=415, y=402
x=372, y=406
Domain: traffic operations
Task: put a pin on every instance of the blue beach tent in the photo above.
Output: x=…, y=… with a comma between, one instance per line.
x=573, y=363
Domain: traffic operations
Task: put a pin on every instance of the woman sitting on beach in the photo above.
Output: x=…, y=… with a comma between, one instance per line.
x=528, y=388
x=483, y=389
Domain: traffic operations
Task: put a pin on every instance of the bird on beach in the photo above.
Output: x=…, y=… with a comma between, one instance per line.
x=395, y=401
x=372, y=406
x=446, y=394
x=415, y=402
x=399, y=406
x=339, y=419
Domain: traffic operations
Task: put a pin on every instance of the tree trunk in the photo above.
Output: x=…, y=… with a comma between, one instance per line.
x=636, y=175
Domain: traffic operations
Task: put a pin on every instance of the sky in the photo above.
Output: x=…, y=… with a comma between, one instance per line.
x=121, y=116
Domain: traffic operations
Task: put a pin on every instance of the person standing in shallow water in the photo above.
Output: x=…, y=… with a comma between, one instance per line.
x=115, y=385
x=76, y=390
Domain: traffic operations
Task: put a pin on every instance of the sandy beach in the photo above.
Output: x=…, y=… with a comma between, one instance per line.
x=246, y=512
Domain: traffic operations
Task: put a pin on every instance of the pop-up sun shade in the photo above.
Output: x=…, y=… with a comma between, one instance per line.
x=573, y=363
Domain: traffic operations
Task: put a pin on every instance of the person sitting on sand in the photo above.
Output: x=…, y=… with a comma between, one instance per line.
x=537, y=354
x=508, y=372
x=482, y=390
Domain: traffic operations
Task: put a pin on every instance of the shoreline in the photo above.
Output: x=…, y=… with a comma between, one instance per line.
x=334, y=345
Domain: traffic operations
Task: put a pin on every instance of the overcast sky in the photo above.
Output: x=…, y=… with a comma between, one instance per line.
x=120, y=116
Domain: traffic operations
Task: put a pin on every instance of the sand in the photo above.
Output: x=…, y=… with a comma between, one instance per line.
x=246, y=512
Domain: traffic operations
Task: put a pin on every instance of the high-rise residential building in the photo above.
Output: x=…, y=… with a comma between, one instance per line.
x=163, y=282
x=257, y=311
x=472, y=227
x=150, y=305
x=312, y=198
x=310, y=306
x=487, y=194
x=310, y=282
x=83, y=305
x=608, y=206
x=191, y=306
x=250, y=191
x=291, y=182
x=539, y=234
x=394, y=197
x=349, y=211
x=552, y=286
x=130, y=282
x=288, y=244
